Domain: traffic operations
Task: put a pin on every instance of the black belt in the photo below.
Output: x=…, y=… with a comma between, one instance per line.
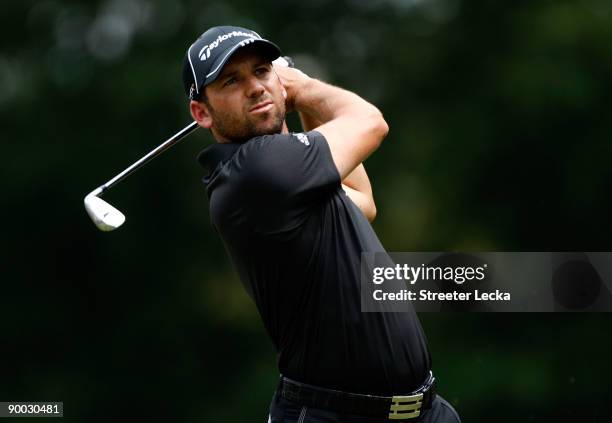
x=397, y=407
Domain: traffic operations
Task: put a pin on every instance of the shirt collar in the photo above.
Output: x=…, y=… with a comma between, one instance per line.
x=211, y=156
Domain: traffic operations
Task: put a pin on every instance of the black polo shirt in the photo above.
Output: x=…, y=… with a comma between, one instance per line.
x=296, y=239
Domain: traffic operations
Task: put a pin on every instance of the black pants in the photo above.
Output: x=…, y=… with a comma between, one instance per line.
x=283, y=411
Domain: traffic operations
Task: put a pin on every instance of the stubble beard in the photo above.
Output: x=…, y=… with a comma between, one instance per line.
x=240, y=129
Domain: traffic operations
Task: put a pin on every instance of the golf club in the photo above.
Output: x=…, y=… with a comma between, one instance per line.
x=105, y=216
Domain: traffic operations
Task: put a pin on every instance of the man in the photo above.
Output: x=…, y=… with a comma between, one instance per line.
x=293, y=211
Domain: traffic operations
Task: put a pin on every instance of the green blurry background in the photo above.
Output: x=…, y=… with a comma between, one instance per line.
x=500, y=117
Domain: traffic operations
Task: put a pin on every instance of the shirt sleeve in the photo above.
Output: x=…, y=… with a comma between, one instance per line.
x=287, y=177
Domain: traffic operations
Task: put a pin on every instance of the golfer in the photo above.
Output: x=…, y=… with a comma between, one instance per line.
x=293, y=210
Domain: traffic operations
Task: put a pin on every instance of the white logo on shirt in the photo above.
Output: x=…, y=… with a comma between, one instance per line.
x=302, y=138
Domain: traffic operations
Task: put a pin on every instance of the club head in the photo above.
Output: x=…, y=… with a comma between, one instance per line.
x=103, y=215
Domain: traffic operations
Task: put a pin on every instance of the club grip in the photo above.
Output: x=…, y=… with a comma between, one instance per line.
x=284, y=61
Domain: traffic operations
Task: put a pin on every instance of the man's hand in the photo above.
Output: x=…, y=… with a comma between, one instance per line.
x=293, y=80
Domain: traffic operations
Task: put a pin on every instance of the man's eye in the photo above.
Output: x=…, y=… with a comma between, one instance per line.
x=229, y=82
x=261, y=71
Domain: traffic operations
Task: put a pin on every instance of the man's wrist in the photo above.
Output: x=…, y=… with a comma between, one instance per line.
x=304, y=98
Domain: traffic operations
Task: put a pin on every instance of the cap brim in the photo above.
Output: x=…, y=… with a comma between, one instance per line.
x=268, y=48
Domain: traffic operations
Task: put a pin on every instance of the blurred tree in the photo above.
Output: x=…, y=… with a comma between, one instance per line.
x=500, y=124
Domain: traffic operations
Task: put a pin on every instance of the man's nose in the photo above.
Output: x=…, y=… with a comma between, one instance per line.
x=254, y=87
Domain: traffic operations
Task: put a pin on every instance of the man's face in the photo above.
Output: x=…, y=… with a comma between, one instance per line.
x=247, y=98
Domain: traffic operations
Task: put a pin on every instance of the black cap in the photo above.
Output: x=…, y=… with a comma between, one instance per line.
x=206, y=56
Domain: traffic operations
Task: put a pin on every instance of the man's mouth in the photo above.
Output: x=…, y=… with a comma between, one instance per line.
x=264, y=106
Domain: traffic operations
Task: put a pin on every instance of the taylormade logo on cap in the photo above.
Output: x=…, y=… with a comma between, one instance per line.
x=205, y=51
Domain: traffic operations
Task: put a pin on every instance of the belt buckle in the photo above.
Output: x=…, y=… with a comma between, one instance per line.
x=405, y=406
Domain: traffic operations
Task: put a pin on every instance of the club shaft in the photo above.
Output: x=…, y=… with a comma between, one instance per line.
x=147, y=158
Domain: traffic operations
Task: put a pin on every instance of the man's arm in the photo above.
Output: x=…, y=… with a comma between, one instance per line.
x=362, y=200
x=352, y=127
x=357, y=184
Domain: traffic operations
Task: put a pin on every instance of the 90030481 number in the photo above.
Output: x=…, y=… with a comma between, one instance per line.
x=25, y=409
x=33, y=408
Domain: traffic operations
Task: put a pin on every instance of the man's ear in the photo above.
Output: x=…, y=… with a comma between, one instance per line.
x=201, y=114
